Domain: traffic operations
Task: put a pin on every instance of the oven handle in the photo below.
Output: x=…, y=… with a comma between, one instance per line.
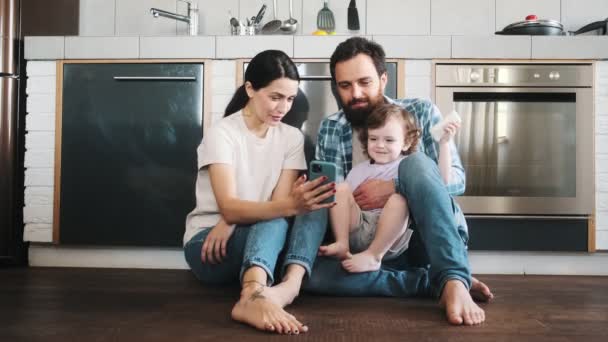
x=537, y=217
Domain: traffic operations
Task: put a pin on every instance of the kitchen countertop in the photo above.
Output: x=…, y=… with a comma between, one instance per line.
x=301, y=46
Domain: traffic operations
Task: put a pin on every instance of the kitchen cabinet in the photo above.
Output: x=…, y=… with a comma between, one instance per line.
x=49, y=18
x=128, y=134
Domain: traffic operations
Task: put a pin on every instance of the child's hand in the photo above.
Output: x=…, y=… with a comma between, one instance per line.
x=449, y=132
x=214, y=248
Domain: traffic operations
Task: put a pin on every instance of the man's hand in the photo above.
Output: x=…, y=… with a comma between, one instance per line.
x=214, y=248
x=373, y=193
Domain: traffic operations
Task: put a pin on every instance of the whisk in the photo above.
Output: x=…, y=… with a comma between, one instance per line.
x=325, y=19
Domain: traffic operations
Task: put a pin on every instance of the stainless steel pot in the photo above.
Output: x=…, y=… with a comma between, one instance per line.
x=534, y=27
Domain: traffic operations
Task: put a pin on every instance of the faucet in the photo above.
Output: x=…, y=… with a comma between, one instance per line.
x=191, y=19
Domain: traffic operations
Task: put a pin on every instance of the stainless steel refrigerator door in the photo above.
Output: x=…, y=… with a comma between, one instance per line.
x=8, y=107
x=9, y=37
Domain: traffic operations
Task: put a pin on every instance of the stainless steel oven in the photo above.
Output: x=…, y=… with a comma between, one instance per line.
x=526, y=139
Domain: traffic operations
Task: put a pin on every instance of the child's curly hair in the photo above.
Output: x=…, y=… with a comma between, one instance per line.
x=378, y=118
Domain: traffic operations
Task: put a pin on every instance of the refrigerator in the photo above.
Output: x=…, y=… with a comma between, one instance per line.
x=12, y=248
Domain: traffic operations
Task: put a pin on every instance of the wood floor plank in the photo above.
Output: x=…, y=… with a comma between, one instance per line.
x=70, y=304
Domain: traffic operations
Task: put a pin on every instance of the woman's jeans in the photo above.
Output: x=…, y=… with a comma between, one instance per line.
x=437, y=251
x=255, y=245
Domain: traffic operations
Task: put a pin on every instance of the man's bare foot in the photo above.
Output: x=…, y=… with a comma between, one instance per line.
x=480, y=291
x=283, y=294
x=336, y=249
x=361, y=262
x=255, y=309
x=459, y=306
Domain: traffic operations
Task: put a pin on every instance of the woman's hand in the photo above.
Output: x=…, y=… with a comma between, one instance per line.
x=449, y=132
x=214, y=247
x=307, y=196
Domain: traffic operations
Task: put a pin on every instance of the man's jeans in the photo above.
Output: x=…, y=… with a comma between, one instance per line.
x=258, y=245
x=437, y=251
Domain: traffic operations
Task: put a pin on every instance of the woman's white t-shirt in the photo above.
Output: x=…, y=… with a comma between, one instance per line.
x=257, y=164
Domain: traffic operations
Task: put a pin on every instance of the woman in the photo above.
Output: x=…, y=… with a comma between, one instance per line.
x=247, y=184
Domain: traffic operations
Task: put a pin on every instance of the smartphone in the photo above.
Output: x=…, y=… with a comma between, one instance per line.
x=327, y=169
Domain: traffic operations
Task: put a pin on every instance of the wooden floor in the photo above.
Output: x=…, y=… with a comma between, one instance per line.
x=46, y=304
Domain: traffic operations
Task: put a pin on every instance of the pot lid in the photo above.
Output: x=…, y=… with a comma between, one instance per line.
x=535, y=23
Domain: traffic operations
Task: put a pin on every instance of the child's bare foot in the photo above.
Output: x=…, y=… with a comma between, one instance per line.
x=459, y=306
x=480, y=291
x=336, y=249
x=255, y=309
x=361, y=262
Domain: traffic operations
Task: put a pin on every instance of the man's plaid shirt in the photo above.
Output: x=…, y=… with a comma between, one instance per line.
x=335, y=138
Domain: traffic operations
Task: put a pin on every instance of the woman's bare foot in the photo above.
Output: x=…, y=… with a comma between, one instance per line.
x=284, y=293
x=480, y=291
x=336, y=249
x=361, y=262
x=255, y=309
x=459, y=306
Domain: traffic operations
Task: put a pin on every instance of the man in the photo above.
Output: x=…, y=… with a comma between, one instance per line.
x=436, y=262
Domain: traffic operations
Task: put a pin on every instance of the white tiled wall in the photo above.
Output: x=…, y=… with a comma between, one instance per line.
x=40, y=149
x=382, y=17
x=601, y=160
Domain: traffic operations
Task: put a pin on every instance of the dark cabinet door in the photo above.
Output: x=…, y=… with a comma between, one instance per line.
x=49, y=17
x=128, y=153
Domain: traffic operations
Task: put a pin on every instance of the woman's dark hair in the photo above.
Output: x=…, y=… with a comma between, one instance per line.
x=378, y=118
x=264, y=68
x=352, y=47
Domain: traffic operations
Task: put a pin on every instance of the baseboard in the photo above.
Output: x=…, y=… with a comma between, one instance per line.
x=542, y=263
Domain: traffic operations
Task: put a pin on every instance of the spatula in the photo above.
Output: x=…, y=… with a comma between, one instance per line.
x=325, y=19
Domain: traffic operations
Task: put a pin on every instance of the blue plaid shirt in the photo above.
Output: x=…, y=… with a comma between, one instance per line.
x=335, y=140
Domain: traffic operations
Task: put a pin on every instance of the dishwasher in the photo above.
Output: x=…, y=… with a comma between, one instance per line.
x=127, y=139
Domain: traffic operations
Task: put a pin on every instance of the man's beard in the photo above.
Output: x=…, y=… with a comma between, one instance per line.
x=358, y=116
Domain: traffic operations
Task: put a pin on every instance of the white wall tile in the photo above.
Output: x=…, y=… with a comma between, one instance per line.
x=133, y=18
x=214, y=18
x=586, y=47
x=463, y=17
x=339, y=8
x=416, y=47
x=39, y=195
x=177, y=47
x=40, y=103
x=602, y=125
x=491, y=47
x=39, y=158
x=247, y=47
x=223, y=85
x=223, y=68
x=601, y=241
x=602, y=182
x=44, y=47
x=39, y=177
x=41, y=85
x=601, y=160
x=97, y=17
x=41, y=68
x=38, y=214
x=602, y=202
x=399, y=17
x=418, y=86
x=578, y=13
x=38, y=232
x=40, y=140
x=511, y=11
x=324, y=46
x=40, y=122
x=101, y=47
x=219, y=103
x=418, y=68
x=601, y=144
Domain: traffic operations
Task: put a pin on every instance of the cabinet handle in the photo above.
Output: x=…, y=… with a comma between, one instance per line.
x=315, y=78
x=155, y=78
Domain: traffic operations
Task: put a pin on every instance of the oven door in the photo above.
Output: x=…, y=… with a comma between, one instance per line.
x=526, y=151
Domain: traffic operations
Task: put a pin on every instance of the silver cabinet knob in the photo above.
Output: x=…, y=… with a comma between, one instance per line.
x=475, y=76
x=554, y=75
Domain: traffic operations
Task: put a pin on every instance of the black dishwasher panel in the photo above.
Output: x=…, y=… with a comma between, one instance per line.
x=128, y=154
